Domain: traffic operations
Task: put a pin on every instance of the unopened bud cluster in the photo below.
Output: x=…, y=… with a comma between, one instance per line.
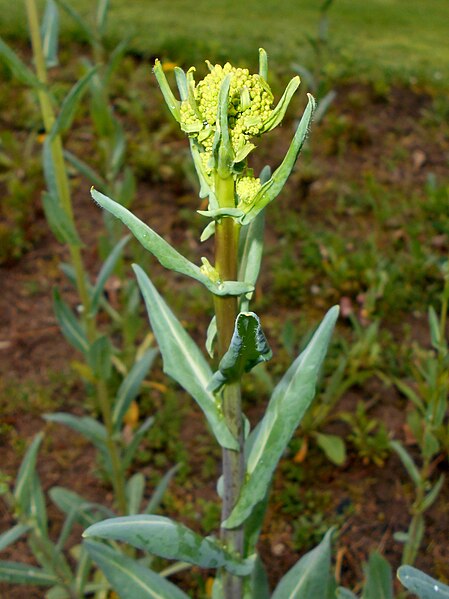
x=249, y=106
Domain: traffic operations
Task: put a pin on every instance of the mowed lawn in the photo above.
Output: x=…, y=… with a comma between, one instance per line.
x=407, y=37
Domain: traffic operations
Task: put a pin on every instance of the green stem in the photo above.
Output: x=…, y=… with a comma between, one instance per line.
x=226, y=309
x=62, y=183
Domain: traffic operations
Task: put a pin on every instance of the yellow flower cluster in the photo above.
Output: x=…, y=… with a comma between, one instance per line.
x=249, y=106
x=246, y=189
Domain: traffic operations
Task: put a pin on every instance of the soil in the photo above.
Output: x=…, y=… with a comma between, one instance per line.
x=34, y=355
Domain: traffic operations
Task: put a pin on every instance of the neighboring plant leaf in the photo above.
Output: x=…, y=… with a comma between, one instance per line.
x=50, y=33
x=161, y=536
x=432, y=495
x=82, y=510
x=12, y=535
x=248, y=348
x=75, y=15
x=288, y=404
x=424, y=586
x=25, y=476
x=333, y=446
x=342, y=593
x=159, y=491
x=271, y=189
x=164, y=252
x=70, y=326
x=407, y=462
x=88, y=427
x=105, y=272
x=183, y=361
x=133, y=446
x=135, y=488
x=84, y=169
x=18, y=68
x=99, y=357
x=59, y=221
x=102, y=13
x=17, y=573
x=130, y=386
x=129, y=579
x=379, y=578
x=70, y=104
x=310, y=577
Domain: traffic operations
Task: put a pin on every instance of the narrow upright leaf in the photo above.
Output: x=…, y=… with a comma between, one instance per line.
x=105, y=272
x=183, y=361
x=18, y=68
x=70, y=326
x=164, y=252
x=99, y=358
x=379, y=579
x=130, y=386
x=271, y=189
x=70, y=104
x=161, y=536
x=59, y=221
x=130, y=579
x=424, y=586
x=50, y=33
x=310, y=577
x=27, y=471
x=288, y=404
x=248, y=348
x=250, y=255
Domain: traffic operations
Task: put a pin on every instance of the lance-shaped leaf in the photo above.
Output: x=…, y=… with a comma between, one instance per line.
x=50, y=33
x=87, y=426
x=130, y=579
x=130, y=386
x=263, y=64
x=70, y=326
x=10, y=536
x=288, y=404
x=271, y=189
x=161, y=536
x=424, y=586
x=279, y=111
x=250, y=255
x=164, y=252
x=25, y=477
x=105, y=272
x=310, y=577
x=182, y=359
x=59, y=221
x=248, y=348
x=70, y=104
x=18, y=68
x=17, y=573
x=82, y=24
x=172, y=103
x=133, y=446
x=379, y=579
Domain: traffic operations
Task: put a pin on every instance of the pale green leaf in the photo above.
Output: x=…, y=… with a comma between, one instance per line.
x=130, y=579
x=379, y=579
x=166, y=538
x=172, y=103
x=105, y=272
x=59, y=221
x=407, y=462
x=310, y=577
x=18, y=68
x=10, y=536
x=250, y=255
x=135, y=488
x=17, y=573
x=131, y=385
x=182, y=359
x=164, y=252
x=99, y=357
x=87, y=426
x=424, y=586
x=50, y=33
x=70, y=326
x=159, y=491
x=333, y=446
x=271, y=189
x=288, y=404
x=25, y=476
x=279, y=111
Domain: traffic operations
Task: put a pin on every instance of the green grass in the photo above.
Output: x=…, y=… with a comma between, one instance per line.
x=406, y=39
